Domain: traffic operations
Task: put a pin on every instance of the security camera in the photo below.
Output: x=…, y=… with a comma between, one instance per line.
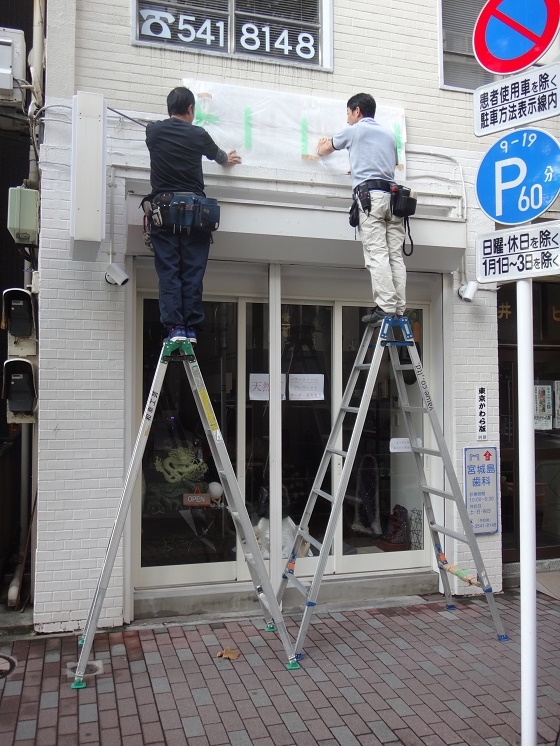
x=116, y=275
x=468, y=291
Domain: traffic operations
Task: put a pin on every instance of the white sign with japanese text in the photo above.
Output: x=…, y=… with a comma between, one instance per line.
x=519, y=252
x=306, y=386
x=259, y=386
x=543, y=407
x=517, y=100
x=481, y=488
x=482, y=412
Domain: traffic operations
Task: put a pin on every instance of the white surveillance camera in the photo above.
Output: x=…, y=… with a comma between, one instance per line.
x=468, y=291
x=116, y=275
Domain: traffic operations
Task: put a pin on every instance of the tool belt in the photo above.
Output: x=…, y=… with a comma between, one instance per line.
x=361, y=194
x=181, y=212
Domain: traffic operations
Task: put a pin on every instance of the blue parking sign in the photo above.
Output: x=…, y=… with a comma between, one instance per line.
x=519, y=177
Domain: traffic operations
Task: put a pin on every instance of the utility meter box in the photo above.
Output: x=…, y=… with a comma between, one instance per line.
x=19, y=390
x=12, y=65
x=19, y=319
x=23, y=215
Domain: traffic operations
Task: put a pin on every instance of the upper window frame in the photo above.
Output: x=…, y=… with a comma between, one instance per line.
x=325, y=34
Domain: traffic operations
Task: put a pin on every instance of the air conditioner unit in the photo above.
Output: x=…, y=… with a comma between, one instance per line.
x=12, y=65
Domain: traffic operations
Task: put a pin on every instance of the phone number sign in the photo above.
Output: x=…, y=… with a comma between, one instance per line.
x=191, y=28
x=480, y=468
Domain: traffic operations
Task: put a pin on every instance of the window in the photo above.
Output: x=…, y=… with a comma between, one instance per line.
x=460, y=68
x=292, y=31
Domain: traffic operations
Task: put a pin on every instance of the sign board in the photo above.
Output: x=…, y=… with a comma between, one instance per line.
x=482, y=412
x=517, y=100
x=519, y=177
x=510, y=35
x=518, y=253
x=481, y=488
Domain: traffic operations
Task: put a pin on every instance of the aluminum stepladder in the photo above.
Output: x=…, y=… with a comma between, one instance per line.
x=453, y=494
x=182, y=351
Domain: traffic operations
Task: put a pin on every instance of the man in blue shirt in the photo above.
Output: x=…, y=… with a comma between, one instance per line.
x=372, y=150
x=176, y=148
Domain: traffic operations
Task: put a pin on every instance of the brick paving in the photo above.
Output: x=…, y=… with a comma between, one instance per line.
x=415, y=675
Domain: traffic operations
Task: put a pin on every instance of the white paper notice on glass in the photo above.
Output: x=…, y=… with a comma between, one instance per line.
x=306, y=386
x=259, y=386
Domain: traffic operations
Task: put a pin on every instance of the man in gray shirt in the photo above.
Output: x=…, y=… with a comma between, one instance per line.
x=372, y=150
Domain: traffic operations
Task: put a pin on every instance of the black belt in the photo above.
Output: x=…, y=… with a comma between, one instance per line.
x=378, y=184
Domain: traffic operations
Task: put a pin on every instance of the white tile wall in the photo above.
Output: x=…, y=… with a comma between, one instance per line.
x=389, y=49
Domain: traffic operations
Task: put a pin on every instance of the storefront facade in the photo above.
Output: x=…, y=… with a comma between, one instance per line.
x=284, y=291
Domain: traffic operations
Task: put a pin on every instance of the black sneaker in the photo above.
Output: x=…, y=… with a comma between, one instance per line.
x=191, y=336
x=375, y=318
x=176, y=334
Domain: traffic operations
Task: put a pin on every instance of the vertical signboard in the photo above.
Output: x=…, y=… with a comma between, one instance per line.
x=480, y=469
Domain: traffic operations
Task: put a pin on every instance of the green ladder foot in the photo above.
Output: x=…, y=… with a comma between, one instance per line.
x=81, y=642
x=78, y=684
x=271, y=627
x=292, y=666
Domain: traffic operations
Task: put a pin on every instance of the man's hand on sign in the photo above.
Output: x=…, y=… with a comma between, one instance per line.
x=232, y=158
x=325, y=146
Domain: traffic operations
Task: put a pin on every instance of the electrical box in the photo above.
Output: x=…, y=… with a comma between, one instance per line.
x=23, y=215
x=18, y=388
x=12, y=65
x=88, y=178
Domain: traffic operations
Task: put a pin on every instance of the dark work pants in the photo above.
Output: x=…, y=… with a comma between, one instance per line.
x=180, y=261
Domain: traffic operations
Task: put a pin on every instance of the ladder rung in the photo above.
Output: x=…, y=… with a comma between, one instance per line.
x=449, y=532
x=297, y=584
x=439, y=493
x=362, y=366
x=307, y=536
x=409, y=408
x=324, y=494
x=351, y=410
x=403, y=366
x=337, y=452
x=426, y=451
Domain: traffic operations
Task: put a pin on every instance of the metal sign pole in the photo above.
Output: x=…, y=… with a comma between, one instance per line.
x=527, y=521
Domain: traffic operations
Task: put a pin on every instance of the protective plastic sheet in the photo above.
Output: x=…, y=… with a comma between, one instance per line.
x=280, y=130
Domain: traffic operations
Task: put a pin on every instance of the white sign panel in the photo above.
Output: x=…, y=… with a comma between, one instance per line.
x=481, y=488
x=481, y=412
x=543, y=407
x=519, y=252
x=517, y=100
x=259, y=386
x=306, y=386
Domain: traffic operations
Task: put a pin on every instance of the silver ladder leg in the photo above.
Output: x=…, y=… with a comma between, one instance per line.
x=257, y=568
x=238, y=510
x=455, y=493
x=333, y=449
x=86, y=641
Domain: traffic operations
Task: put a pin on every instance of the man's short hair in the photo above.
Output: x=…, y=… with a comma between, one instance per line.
x=365, y=102
x=179, y=100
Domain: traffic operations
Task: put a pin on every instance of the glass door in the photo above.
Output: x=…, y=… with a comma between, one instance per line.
x=383, y=524
x=187, y=534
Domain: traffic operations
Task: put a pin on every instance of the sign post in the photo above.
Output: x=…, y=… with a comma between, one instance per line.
x=518, y=179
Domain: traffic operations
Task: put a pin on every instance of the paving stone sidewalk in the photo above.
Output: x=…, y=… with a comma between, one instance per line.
x=415, y=675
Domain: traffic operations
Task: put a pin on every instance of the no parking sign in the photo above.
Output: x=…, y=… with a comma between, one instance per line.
x=510, y=35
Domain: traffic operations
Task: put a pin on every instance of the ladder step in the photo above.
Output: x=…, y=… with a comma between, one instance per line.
x=324, y=494
x=439, y=493
x=426, y=451
x=362, y=366
x=298, y=585
x=337, y=452
x=404, y=366
x=410, y=408
x=449, y=532
x=307, y=536
x=352, y=410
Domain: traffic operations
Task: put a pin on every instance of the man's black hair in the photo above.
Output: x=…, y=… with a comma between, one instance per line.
x=365, y=102
x=179, y=100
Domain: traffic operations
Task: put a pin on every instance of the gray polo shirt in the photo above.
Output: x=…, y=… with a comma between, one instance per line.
x=372, y=148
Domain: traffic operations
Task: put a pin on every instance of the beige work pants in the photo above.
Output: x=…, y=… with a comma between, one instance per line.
x=382, y=235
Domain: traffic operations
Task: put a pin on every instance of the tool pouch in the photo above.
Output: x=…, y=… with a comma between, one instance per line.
x=182, y=209
x=207, y=214
x=354, y=214
x=403, y=201
x=361, y=194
